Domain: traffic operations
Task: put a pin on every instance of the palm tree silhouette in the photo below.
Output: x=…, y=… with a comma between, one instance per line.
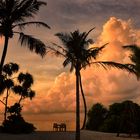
x=135, y=65
x=135, y=58
x=76, y=53
x=13, y=15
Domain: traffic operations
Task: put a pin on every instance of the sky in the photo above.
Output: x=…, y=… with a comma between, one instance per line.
x=116, y=22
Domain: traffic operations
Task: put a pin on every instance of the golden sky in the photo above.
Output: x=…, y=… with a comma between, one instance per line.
x=55, y=85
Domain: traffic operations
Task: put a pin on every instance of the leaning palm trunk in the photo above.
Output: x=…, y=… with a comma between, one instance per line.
x=84, y=101
x=77, y=137
x=4, y=53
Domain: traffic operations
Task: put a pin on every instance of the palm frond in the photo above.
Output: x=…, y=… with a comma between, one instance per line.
x=37, y=23
x=90, y=41
x=56, y=52
x=88, y=32
x=60, y=47
x=110, y=64
x=135, y=58
x=66, y=62
x=135, y=53
x=133, y=48
x=72, y=67
x=64, y=38
x=25, y=9
x=2, y=13
x=94, y=52
x=33, y=44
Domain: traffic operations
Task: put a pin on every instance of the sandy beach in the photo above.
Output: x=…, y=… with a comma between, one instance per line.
x=85, y=135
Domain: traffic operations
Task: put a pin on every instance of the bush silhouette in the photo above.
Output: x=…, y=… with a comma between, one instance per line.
x=15, y=123
x=120, y=118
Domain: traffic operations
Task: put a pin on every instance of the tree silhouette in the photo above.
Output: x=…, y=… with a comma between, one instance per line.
x=23, y=89
x=135, y=58
x=76, y=53
x=6, y=82
x=13, y=19
x=120, y=118
x=96, y=117
x=128, y=118
x=19, y=84
x=135, y=65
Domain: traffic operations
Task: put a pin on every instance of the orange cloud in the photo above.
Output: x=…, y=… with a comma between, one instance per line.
x=99, y=85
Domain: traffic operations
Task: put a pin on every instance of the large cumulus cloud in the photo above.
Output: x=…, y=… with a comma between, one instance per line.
x=99, y=85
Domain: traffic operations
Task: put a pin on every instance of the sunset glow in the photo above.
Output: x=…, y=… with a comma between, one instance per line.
x=55, y=85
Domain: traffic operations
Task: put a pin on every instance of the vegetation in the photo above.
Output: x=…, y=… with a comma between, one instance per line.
x=11, y=81
x=96, y=116
x=13, y=19
x=119, y=118
x=15, y=123
x=135, y=58
x=77, y=53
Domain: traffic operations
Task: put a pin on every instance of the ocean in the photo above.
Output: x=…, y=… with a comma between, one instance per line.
x=44, y=122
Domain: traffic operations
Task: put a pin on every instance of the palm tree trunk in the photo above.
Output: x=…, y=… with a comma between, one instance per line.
x=85, y=106
x=77, y=137
x=4, y=53
x=6, y=102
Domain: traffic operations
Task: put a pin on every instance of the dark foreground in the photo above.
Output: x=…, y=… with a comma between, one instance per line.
x=45, y=135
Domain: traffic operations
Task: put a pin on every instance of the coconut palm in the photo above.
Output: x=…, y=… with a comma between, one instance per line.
x=77, y=53
x=135, y=58
x=13, y=19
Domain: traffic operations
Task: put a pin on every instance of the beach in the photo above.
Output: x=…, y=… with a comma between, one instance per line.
x=46, y=135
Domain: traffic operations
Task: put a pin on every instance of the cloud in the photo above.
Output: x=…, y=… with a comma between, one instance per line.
x=70, y=14
x=55, y=86
x=99, y=85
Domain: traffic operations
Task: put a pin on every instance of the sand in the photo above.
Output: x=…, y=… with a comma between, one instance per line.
x=85, y=135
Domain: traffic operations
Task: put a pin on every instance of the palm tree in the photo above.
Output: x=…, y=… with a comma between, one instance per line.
x=135, y=58
x=13, y=19
x=76, y=53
